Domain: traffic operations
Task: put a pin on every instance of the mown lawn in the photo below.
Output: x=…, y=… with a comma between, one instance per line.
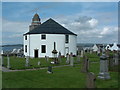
x=62, y=77
x=19, y=63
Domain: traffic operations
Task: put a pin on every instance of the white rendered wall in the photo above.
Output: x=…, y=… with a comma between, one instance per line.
x=36, y=42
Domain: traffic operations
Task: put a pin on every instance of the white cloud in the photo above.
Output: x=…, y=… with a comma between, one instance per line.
x=88, y=29
x=13, y=26
x=93, y=22
x=108, y=30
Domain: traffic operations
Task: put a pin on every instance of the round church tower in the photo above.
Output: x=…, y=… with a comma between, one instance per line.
x=35, y=22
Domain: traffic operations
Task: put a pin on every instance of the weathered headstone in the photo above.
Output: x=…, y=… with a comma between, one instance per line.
x=68, y=58
x=111, y=62
x=59, y=57
x=78, y=57
x=2, y=58
x=46, y=58
x=91, y=51
x=103, y=74
x=27, y=61
x=82, y=53
x=85, y=65
x=116, y=59
x=39, y=63
x=71, y=59
x=98, y=52
x=49, y=69
x=91, y=80
x=8, y=61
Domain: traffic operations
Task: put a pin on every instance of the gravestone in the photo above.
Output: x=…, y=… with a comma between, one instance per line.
x=8, y=62
x=82, y=53
x=98, y=52
x=39, y=63
x=2, y=58
x=116, y=59
x=68, y=59
x=78, y=57
x=59, y=57
x=85, y=65
x=91, y=51
x=27, y=61
x=91, y=80
x=46, y=58
x=111, y=62
x=103, y=74
x=49, y=69
x=71, y=60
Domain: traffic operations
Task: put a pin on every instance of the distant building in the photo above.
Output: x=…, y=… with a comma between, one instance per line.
x=97, y=47
x=39, y=41
x=114, y=47
x=108, y=47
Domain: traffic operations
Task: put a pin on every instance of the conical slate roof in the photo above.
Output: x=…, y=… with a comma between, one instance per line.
x=50, y=27
x=36, y=17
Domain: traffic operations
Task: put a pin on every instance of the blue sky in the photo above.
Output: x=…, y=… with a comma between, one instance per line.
x=94, y=22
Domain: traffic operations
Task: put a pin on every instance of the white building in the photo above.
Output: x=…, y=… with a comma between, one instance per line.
x=95, y=48
x=108, y=47
x=39, y=41
x=114, y=47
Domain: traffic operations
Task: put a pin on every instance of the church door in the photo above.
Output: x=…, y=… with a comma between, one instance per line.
x=36, y=53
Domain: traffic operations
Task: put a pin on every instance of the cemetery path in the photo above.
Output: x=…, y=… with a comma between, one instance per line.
x=4, y=69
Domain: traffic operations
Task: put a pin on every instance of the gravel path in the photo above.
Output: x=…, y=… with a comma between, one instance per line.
x=4, y=69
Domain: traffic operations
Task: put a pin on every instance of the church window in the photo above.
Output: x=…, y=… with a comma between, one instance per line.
x=43, y=36
x=26, y=37
x=25, y=48
x=66, y=38
x=43, y=48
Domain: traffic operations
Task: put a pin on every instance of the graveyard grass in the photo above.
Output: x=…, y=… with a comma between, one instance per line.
x=62, y=77
x=19, y=63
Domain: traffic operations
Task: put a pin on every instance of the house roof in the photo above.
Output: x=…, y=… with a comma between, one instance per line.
x=111, y=45
x=50, y=27
x=118, y=45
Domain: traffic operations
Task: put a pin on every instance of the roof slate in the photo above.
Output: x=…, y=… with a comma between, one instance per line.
x=50, y=27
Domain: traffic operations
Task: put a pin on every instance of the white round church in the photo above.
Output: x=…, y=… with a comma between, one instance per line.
x=41, y=38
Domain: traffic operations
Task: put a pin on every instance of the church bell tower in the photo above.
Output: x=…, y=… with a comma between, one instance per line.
x=35, y=22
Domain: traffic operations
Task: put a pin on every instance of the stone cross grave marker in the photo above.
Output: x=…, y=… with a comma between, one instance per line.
x=91, y=80
x=27, y=61
x=103, y=74
x=49, y=69
x=68, y=58
x=59, y=57
x=8, y=62
x=85, y=66
x=71, y=59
